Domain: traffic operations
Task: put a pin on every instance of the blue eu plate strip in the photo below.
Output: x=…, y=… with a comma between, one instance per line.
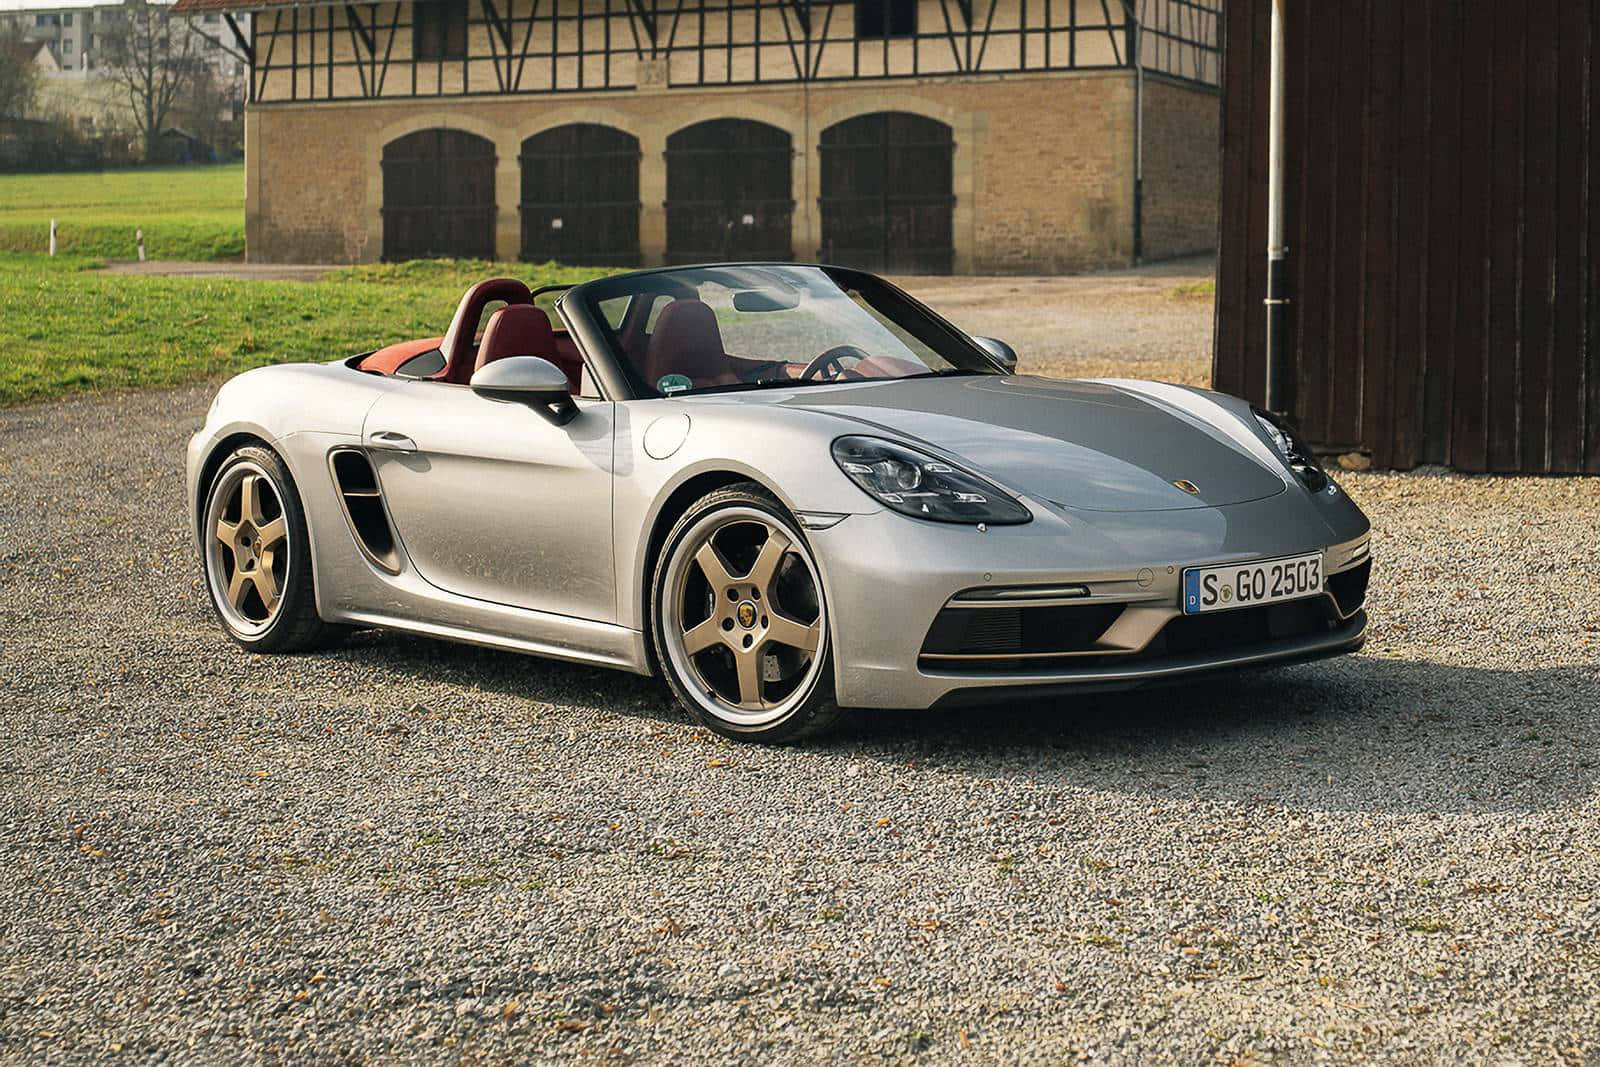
x=1191, y=590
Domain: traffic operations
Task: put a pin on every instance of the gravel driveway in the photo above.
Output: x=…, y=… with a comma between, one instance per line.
x=407, y=850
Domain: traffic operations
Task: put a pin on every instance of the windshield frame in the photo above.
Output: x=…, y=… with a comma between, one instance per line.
x=579, y=307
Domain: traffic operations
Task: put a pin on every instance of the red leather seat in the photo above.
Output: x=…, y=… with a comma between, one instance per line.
x=458, y=339
x=687, y=341
x=524, y=330
x=516, y=330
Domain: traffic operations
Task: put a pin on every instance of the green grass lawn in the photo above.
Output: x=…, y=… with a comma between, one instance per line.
x=66, y=327
x=185, y=212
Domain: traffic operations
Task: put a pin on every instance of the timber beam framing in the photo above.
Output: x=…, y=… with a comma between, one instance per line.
x=343, y=50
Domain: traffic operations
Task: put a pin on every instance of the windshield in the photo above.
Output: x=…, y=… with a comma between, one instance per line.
x=747, y=327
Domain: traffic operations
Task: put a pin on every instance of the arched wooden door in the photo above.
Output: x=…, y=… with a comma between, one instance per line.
x=729, y=195
x=438, y=196
x=888, y=196
x=580, y=196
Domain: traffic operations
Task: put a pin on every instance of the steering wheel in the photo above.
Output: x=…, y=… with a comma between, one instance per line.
x=833, y=360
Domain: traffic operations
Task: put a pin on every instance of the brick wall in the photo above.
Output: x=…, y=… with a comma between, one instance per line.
x=1182, y=169
x=1042, y=169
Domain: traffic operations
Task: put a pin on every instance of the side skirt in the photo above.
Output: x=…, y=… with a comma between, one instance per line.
x=601, y=645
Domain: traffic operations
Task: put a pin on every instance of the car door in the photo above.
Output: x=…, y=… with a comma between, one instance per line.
x=493, y=501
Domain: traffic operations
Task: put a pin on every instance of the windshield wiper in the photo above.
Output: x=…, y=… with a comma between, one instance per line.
x=789, y=383
x=948, y=372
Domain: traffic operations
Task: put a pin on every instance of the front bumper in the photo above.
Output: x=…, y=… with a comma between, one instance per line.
x=889, y=578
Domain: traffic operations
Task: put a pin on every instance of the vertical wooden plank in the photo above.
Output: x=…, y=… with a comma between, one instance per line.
x=1378, y=269
x=1413, y=156
x=1314, y=68
x=1590, y=365
x=1444, y=227
x=1540, y=106
x=1351, y=229
x=1239, y=72
x=1569, y=336
x=1506, y=220
x=1467, y=444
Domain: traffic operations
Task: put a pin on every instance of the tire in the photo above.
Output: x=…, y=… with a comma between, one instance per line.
x=756, y=665
x=256, y=556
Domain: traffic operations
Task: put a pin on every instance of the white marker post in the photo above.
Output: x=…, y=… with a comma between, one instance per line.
x=52, y=237
x=138, y=235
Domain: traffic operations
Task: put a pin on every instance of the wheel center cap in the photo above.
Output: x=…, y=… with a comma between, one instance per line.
x=746, y=614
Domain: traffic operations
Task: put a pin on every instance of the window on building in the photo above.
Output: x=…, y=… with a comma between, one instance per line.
x=886, y=18
x=47, y=20
x=66, y=20
x=66, y=46
x=439, y=29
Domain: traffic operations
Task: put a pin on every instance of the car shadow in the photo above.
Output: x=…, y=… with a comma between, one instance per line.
x=1365, y=732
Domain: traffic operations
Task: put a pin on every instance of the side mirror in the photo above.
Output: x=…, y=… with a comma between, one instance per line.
x=1002, y=352
x=528, y=380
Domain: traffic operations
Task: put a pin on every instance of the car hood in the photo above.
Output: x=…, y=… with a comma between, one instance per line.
x=1080, y=444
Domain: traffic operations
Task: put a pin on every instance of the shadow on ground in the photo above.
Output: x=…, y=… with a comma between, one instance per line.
x=1361, y=733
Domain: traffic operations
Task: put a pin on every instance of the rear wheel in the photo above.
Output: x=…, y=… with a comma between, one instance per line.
x=740, y=619
x=257, y=555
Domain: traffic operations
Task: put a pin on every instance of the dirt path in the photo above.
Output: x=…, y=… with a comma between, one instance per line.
x=258, y=272
x=1150, y=322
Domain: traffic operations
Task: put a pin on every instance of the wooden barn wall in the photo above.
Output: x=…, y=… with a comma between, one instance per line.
x=1441, y=169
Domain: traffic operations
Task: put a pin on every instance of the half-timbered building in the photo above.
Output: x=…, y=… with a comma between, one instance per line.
x=902, y=135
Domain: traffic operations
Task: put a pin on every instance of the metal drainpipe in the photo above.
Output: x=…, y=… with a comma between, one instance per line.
x=1277, y=251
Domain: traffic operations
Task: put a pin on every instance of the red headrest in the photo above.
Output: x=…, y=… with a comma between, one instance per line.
x=686, y=341
x=457, y=343
x=516, y=330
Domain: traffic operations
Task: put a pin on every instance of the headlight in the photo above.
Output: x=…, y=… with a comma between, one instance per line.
x=1296, y=455
x=916, y=484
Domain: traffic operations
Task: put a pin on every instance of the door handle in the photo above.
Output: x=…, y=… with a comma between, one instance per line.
x=390, y=441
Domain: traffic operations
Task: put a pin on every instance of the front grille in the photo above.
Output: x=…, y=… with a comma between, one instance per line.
x=1033, y=632
x=1226, y=631
x=1004, y=640
x=1349, y=587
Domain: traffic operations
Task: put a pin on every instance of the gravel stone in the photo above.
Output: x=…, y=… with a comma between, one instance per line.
x=406, y=850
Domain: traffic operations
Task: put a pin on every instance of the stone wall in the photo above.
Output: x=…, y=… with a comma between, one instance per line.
x=1043, y=167
x=1182, y=169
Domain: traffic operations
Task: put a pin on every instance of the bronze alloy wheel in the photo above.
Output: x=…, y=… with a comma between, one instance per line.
x=247, y=548
x=741, y=618
x=257, y=555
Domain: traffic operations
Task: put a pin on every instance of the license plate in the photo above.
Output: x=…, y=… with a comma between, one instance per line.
x=1247, y=585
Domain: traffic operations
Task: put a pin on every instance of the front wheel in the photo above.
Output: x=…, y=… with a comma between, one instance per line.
x=740, y=619
x=257, y=555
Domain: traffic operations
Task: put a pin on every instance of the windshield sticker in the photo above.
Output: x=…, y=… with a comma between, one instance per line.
x=673, y=383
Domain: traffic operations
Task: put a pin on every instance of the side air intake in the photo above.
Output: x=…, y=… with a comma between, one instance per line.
x=363, y=507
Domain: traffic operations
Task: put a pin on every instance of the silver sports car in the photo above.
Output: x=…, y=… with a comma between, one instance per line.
x=787, y=489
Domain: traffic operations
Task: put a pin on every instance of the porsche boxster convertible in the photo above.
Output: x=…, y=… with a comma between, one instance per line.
x=786, y=489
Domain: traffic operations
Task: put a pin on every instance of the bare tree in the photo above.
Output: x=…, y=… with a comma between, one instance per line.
x=19, y=78
x=151, y=54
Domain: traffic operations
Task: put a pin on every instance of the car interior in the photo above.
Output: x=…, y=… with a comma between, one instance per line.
x=672, y=336
x=495, y=319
